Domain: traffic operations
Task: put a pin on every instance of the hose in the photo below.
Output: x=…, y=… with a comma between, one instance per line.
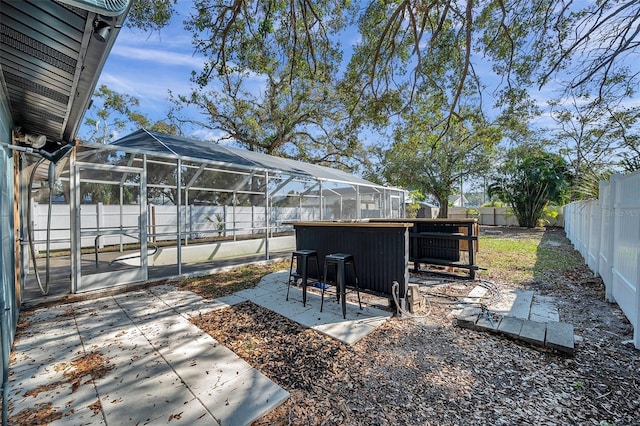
x=495, y=296
x=395, y=289
x=52, y=179
x=43, y=289
x=53, y=159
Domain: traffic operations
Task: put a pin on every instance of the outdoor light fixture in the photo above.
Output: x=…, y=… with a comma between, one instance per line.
x=101, y=31
x=34, y=141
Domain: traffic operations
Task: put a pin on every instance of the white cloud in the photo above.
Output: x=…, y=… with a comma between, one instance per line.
x=210, y=135
x=159, y=56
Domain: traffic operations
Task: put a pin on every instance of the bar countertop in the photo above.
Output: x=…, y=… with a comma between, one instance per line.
x=427, y=220
x=323, y=223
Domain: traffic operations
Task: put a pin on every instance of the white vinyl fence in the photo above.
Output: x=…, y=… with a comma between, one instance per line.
x=196, y=222
x=495, y=216
x=607, y=234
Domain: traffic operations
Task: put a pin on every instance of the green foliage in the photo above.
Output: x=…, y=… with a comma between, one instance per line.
x=412, y=208
x=312, y=107
x=150, y=15
x=597, y=136
x=528, y=180
x=423, y=156
x=218, y=221
x=494, y=203
x=270, y=79
x=525, y=43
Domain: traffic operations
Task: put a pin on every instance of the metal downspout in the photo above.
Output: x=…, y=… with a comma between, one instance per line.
x=76, y=243
x=5, y=337
x=121, y=215
x=144, y=222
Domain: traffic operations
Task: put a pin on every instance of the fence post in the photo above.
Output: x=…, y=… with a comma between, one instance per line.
x=253, y=224
x=611, y=240
x=152, y=212
x=636, y=326
x=604, y=261
x=224, y=220
x=100, y=222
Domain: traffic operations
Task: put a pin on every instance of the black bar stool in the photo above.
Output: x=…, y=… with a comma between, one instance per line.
x=302, y=258
x=340, y=262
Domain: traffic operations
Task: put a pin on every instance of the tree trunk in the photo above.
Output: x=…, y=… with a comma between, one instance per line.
x=444, y=208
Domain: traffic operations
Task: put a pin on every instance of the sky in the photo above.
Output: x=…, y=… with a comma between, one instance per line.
x=148, y=65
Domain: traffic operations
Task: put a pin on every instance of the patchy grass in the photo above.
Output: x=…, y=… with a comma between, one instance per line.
x=508, y=257
x=528, y=256
x=225, y=283
x=551, y=258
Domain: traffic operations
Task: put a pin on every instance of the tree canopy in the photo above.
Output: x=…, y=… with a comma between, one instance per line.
x=528, y=180
x=442, y=73
x=112, y=112
x=270, y=79
x=422, y=159
x=405, y=44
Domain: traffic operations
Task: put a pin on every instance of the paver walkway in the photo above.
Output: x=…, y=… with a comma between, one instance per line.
x=158, y=367
x=522, y=315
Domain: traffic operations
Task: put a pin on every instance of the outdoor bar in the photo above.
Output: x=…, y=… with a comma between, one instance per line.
x=444, y=242
x=380, y=250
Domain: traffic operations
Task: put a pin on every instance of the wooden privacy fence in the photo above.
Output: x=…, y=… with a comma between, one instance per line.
x=606, y=232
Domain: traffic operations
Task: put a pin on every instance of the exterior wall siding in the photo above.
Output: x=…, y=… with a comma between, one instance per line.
x=8, y=299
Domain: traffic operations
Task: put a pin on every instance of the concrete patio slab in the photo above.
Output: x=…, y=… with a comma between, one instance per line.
x=271, y=294
x=533, y=332
x=522, y=315
x=157, y=400
x=476, y=295
x=156, y=365
x=511, y=326
x=244, y=395
x=232, y=299
x=560, y=336
x=544, y=309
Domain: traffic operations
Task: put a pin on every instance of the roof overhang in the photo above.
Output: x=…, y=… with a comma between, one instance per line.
x=51, y=56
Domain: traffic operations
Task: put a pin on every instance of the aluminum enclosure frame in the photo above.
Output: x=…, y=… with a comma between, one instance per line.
x=276, y=197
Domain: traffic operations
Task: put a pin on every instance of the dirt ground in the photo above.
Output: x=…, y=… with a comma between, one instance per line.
x=427, y=371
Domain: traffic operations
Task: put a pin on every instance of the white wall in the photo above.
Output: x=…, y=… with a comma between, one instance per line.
x=498, y=216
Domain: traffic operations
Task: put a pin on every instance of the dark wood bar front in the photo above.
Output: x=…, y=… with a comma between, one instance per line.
x=442, y=242
x=380, y=250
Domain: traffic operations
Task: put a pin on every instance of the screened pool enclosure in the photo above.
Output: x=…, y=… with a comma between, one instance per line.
x=152, y=205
